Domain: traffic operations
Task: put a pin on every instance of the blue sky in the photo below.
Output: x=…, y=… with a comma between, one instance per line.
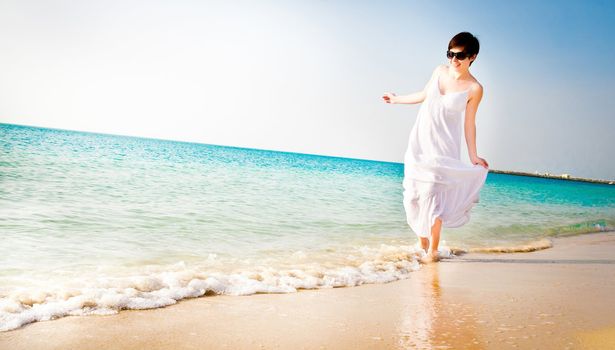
x=308, y=76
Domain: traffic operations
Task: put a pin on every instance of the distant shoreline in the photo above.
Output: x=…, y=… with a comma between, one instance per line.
x=553, y=176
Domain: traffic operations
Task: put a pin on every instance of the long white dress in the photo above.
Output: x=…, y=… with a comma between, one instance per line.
x=436, y=182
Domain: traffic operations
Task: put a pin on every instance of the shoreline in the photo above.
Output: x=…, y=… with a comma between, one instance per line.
x=552, y=298
x=548, y=175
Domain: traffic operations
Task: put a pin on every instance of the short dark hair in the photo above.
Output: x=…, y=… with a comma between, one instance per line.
x=466, y=40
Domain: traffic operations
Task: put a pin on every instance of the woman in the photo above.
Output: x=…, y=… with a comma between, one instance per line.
x=440, y=189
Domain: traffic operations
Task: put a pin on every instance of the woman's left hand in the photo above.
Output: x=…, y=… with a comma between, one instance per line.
x=480, y=161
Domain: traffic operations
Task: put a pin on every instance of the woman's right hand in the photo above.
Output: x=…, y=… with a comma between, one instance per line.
x=389, y=97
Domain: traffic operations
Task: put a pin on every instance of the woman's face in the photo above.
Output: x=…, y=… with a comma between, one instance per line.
x=458, y=64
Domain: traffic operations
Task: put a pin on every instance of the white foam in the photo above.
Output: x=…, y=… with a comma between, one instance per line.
x=159, y=287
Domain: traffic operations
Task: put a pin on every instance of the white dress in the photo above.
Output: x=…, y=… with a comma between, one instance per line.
x=436, y=182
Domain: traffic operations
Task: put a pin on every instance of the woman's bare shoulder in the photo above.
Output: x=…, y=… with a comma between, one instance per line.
x=476, y=90
x=476, y=86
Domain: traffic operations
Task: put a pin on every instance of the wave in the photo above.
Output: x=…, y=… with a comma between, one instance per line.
x=161, y=286
x=109, y=295
x=585, y=227
x=521, y=248
x=589, y=226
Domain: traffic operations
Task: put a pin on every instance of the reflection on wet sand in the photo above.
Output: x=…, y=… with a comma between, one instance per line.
x=431, y=323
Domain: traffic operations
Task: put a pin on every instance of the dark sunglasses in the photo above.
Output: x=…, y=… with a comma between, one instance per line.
x=462, y=55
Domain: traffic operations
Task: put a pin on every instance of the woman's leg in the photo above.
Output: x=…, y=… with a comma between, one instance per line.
x=432, y=253
x=424, y=243
x=435, y=236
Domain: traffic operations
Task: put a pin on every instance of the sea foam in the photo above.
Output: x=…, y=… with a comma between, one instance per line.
x=108, y=295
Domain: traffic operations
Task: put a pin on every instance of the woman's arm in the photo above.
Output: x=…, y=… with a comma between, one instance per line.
x=413, y=98
x=416, y=97
x=476, y=94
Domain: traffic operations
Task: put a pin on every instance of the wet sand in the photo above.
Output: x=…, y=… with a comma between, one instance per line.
x=557, y=298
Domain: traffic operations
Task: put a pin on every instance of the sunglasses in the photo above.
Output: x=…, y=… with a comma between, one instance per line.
x=460, y=55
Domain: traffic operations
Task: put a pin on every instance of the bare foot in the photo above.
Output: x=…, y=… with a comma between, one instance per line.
x=431, y=257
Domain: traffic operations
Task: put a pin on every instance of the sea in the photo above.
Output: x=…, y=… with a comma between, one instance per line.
x=91, y=224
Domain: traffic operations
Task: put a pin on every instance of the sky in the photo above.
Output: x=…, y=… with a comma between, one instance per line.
x=308, y=76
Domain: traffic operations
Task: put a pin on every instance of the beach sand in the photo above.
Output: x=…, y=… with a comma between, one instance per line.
x=558, y=298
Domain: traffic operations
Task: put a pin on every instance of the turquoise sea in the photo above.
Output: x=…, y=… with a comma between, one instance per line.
x=94, y=223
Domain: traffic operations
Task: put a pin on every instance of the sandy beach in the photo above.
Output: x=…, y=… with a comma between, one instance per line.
x=558, y=298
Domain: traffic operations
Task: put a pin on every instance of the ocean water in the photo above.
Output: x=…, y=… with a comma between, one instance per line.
x=93, y=223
